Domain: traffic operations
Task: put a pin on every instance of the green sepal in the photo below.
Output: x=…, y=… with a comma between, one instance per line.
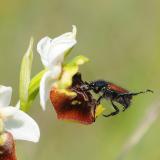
x=33, y=90
x=69, y=70
x=25, y=73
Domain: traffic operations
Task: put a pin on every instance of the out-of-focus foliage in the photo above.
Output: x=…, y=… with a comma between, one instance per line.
x=121, y=39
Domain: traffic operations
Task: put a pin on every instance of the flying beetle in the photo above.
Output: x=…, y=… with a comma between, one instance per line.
x=112, y=92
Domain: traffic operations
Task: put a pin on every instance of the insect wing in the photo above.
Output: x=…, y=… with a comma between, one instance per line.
x=116, y=88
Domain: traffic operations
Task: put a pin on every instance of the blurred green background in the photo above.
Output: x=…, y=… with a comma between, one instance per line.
x=122, y=40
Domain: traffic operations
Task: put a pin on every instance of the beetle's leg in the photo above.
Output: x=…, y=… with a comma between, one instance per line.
x=137, y=93
x=134, y=94
x=103, y=96
x=125, y=106
x=113, y=113
x=85, y=87
x=99, y=99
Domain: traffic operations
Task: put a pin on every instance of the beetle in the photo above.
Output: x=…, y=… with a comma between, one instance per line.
x=113, y=92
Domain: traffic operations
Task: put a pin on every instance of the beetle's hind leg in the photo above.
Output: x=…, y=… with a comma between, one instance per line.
x=112, y=113
x=136, y=93
x=148, y=90
x=125, y=105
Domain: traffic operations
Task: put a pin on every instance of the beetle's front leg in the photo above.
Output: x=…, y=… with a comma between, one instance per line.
x=102, y=96
x=85, y=87
x=99, y=100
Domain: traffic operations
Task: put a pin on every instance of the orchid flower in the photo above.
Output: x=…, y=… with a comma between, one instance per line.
x=15, y=121
x=52, y=53
x=60, y=83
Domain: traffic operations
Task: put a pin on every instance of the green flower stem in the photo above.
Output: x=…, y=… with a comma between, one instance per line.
x=1, y=126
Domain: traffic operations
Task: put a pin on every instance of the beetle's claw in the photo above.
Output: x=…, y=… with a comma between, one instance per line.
x=148, y=90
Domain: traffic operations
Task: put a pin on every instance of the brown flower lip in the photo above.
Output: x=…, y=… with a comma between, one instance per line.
x=7, y=150
x=80, y=108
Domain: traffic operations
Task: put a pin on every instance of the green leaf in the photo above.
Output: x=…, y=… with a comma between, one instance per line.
x=25, y=73
x=33, y=90
x=69, y=70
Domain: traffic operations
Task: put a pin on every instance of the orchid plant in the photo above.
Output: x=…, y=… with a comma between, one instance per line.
x=15, y=124
x=58, y=81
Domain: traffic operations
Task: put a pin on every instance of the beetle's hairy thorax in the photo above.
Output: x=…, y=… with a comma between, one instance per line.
x=114, y=93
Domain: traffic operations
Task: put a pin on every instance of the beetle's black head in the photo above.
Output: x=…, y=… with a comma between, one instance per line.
x=97, y=86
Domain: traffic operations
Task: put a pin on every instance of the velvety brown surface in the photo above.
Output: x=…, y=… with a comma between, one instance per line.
x=80, y=109
x=7, y=151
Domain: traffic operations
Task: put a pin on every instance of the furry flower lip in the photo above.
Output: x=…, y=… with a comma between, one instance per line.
x=80, y=108
x=112, y=92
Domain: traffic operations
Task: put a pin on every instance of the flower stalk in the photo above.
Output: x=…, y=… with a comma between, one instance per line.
x=1, y=126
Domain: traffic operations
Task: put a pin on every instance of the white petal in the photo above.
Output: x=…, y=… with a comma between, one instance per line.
x=21, y=125
x=69, y=36
x=7, y=111
x=5, y=95
x=52, y=51
x=46, y=84
x=43, y=49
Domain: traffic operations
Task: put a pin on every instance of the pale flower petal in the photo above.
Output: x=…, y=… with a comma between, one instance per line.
x=52, y=51
x=43, y=47
x=7, y=111
x=46, y=84
x=21, y=125
x=5, y=95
